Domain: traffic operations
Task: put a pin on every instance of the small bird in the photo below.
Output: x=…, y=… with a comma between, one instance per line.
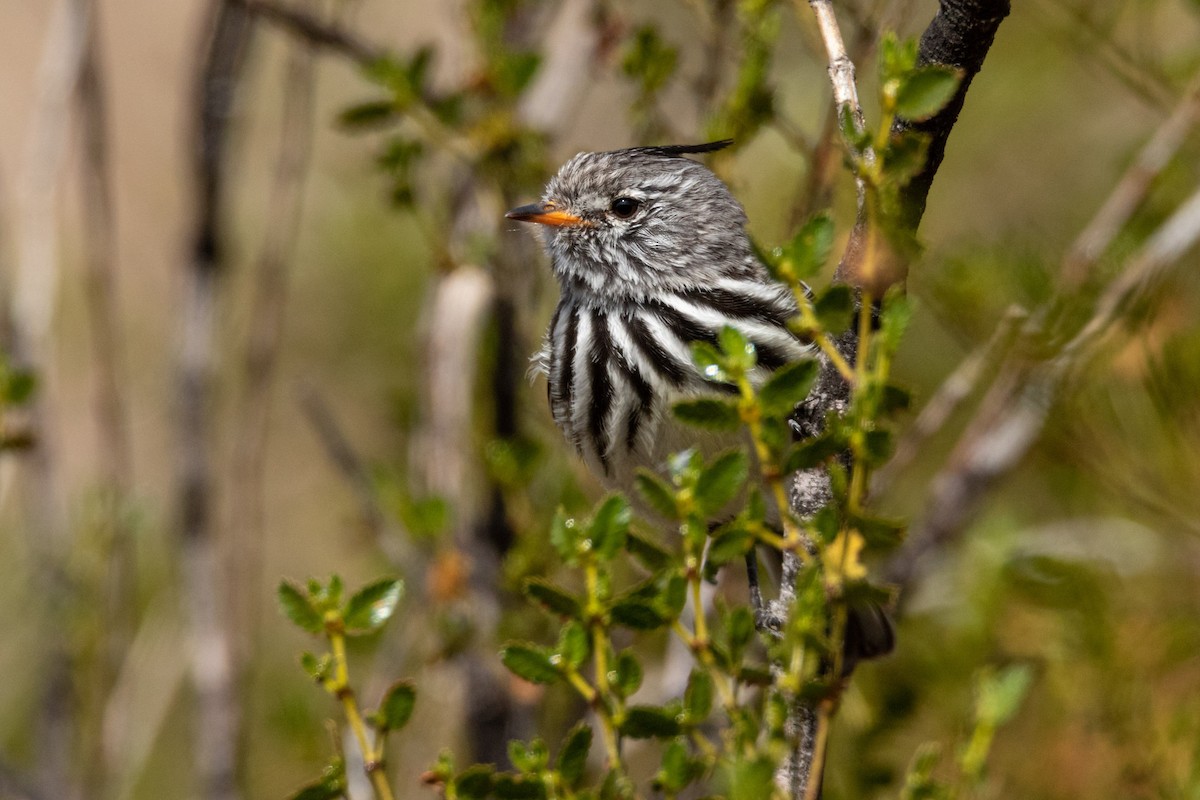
x=651, y=255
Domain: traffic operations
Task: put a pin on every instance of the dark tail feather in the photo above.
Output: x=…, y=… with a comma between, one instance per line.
x=869, y=634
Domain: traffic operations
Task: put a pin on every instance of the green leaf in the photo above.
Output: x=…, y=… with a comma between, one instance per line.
x=789, y=386
x=751, y=779
x=627, y=674
x=317, y=668
x=553, y=598
x=739, y=352
x=372, y=605
x=518, y=787
x=698, y=696
x=638, y=615
x=894, y=398
x=674, y=595
x=572, y=758
x=474, y=782
x=708, y=412
x=530, y=662
x=297, y=607
x=678, y=767
x=1000, y=694
x=906, y=155
x=332, y=784
x=397, y=706
x=894, y=320
x=372, y=114
x=565, y=535
x=18, y=386
x=835, y=308
x=610, y=525
x=897, y=57
x=721, y=481
x=710, y=362
x=647, y=553
x=573, y=644
x=739, y=632
x=657, y=493
x=925, y=91
x=650, y=722
x=878, y=445
x=810, y=247
x=879, y=533
x=530, y=758
x=730, y=543
x=813, y=453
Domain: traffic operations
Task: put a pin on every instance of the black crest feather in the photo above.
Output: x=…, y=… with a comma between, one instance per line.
x=677, y=150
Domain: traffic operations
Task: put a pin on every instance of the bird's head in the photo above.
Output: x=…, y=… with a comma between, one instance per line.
x=639, y=221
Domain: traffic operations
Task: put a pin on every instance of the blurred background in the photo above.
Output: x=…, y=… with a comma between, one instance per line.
x=263, y=319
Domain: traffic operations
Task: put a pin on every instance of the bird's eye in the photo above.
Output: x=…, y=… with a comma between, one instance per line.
x=625, y=207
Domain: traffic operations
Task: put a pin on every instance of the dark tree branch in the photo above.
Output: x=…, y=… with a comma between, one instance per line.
x=960, y=36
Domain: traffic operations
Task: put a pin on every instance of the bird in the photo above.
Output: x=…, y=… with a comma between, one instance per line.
x=651, y=254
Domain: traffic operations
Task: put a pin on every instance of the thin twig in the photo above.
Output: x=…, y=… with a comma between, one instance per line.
x=267, y=312
x=1131, y=189
x=314, y=30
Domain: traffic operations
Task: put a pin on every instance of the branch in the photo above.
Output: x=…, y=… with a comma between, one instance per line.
x=228, y=28
x=960, y=36
x=314, y=30
x=1131, y=189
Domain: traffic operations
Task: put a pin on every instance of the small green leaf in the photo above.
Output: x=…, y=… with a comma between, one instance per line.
x=518, y=787
x=650, y=722
x=789, y=386
x=530, y=662
x=739, y=632
x=332, y=784
x=835, y=308
x=739, y=352
x=698, y=696
x=572, y=758
x=18, y=386
x=372, y=605
x=674, y=595
x=708, y=412
x=646, y=552
x=751, y=779
x=925, y=91
x=627, y=674
x=638, y=615
x=397, y=706
x=565, y=535
x=657, y=493
x=317, y=668
x=813, y=453
x=297, y=607
x=879, y=533
x=894, y=398
x=878, y=446
x=710, y=362
x=721, y=481
x=551, y=597
x=610, y=525
x=573, y=644
x=678, y=767
x=474, y=782
x=810, y=247
x=372, y=114
x=893, y=321
x=529, y=758
x=1000, y=694
x=729, y=543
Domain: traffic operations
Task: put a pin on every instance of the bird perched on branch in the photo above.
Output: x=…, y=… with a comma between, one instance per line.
x=651, y=255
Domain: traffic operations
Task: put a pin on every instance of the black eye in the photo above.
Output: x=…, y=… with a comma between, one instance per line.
x=625, y=207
